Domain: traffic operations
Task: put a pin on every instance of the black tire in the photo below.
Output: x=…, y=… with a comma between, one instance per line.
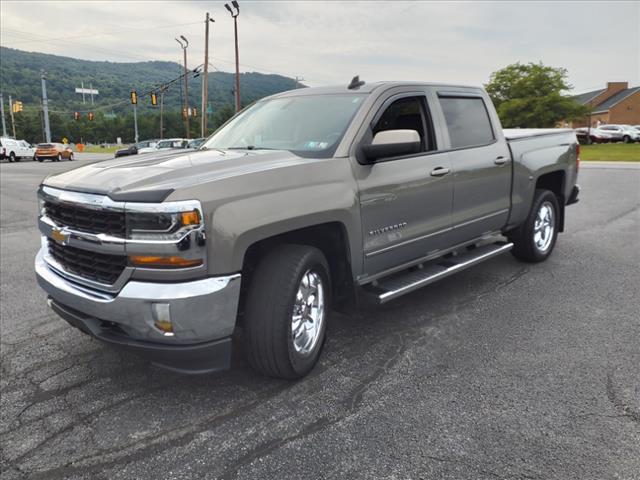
x=269, y=308
x=71, y=157
x=59, y=157
x=40, y=159
x=626, y=139
x=589, y=141
x=524, y=244
x=12, y=157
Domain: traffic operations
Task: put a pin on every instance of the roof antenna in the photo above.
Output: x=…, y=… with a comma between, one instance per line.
x=355, y=83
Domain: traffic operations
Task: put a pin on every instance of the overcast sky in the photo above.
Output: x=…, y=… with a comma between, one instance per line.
x=329, y=42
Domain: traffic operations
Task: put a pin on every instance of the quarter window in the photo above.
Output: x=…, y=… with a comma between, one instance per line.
x=467, y=121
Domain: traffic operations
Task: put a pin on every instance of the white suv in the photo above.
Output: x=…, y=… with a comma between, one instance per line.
x=626, y=133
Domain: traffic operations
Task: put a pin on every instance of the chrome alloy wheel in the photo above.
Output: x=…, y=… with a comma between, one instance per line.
x=308, y=316
x=544, y=226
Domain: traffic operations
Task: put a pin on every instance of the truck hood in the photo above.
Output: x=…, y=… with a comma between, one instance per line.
x=152, y=177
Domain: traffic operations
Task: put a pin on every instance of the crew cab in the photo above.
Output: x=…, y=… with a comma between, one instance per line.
x=307, y=201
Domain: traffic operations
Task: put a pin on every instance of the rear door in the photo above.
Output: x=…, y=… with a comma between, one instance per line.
x=481, y=164
x=405, y=201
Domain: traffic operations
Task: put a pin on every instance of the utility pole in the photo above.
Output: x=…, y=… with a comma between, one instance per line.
x=184, y=44
x=4, y=125
x=205, y=78
x=163, y=89
x=13, y=122
x=135, y=123
x=45, y=108
x=235, y=31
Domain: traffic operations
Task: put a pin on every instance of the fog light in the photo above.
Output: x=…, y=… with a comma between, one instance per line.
x=162, y=318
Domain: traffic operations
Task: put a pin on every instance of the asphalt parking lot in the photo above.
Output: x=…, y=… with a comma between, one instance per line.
x=507, y=370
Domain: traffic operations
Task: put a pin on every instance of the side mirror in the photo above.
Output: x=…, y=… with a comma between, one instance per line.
x=133, y=149
x=392, y=143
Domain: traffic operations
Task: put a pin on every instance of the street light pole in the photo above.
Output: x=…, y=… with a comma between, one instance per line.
x=205, y=78
x=184, y=44
x=235, y=31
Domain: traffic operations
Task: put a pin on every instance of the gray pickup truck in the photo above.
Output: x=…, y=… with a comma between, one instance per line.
x=307, y=201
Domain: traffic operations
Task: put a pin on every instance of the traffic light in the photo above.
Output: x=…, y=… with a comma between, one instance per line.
x=134, y=97
x=154, y=99
x=91, y=116
x=76, y=115
x=16, y=107
x=194, y=112
x=184, y=113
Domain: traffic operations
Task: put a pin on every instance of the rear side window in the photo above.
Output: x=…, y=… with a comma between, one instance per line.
x=467, y=121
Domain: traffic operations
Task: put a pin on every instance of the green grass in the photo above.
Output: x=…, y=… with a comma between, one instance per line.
x=611, y=152
x=99, y=149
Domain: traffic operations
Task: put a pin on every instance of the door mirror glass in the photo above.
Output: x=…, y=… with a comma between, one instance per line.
x=392, y=143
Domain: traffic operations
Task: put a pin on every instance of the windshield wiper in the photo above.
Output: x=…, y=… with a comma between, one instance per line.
x=217, y=149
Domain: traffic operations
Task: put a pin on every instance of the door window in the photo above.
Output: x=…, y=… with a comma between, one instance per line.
x=467, y=121
x=407, y=113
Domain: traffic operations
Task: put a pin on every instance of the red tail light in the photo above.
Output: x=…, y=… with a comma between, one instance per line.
x=577, y=157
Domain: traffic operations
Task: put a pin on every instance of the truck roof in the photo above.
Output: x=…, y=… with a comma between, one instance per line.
x=365, y=89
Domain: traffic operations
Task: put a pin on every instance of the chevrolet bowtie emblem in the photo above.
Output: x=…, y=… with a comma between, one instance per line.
x=59, y=236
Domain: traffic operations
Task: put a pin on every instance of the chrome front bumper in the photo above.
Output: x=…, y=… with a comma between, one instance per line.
x=200, y=310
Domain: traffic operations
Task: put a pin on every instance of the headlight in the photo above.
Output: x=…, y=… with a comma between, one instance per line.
x=164, y=221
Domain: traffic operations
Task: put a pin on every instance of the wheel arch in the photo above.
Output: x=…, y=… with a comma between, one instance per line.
x=331, y=238
x=555, y=181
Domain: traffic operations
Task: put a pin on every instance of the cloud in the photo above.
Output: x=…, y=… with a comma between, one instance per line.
x=329, y=42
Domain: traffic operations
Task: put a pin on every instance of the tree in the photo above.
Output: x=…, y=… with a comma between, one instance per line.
x=531, y=96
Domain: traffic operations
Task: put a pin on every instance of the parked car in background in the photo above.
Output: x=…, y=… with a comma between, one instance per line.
x=588, y=136
x=172, y=143
x=15, y=150
x=622, y=133
x=136, y=148
x=53, y=151
x=196, y=142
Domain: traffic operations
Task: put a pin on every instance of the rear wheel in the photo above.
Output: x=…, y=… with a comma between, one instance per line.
x=71, y=157
x=12, y=157
x=59, y=157
x=286, y=311
x=626, y=139
x=535, y=240
x=40, y=159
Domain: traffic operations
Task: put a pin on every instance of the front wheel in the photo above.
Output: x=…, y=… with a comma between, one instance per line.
x=12, y=157
x=286, y=311
x=626, y=139
x=535, y=240
x=59, y=157
x=71, y=157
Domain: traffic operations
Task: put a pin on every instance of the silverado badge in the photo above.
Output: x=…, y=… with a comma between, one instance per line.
x=59, y=236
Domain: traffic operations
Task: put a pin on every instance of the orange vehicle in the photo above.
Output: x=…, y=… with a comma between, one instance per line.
x=53, y=151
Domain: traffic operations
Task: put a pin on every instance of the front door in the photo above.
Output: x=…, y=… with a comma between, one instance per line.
x=405, y=201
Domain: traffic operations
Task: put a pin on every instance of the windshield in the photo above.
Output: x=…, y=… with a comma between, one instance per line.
x=309, y=125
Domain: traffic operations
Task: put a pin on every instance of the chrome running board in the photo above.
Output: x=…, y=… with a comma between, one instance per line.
x=398, y=284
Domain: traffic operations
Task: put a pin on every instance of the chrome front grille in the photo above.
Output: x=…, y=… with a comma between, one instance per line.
x=86, y=219
x=97, y=267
